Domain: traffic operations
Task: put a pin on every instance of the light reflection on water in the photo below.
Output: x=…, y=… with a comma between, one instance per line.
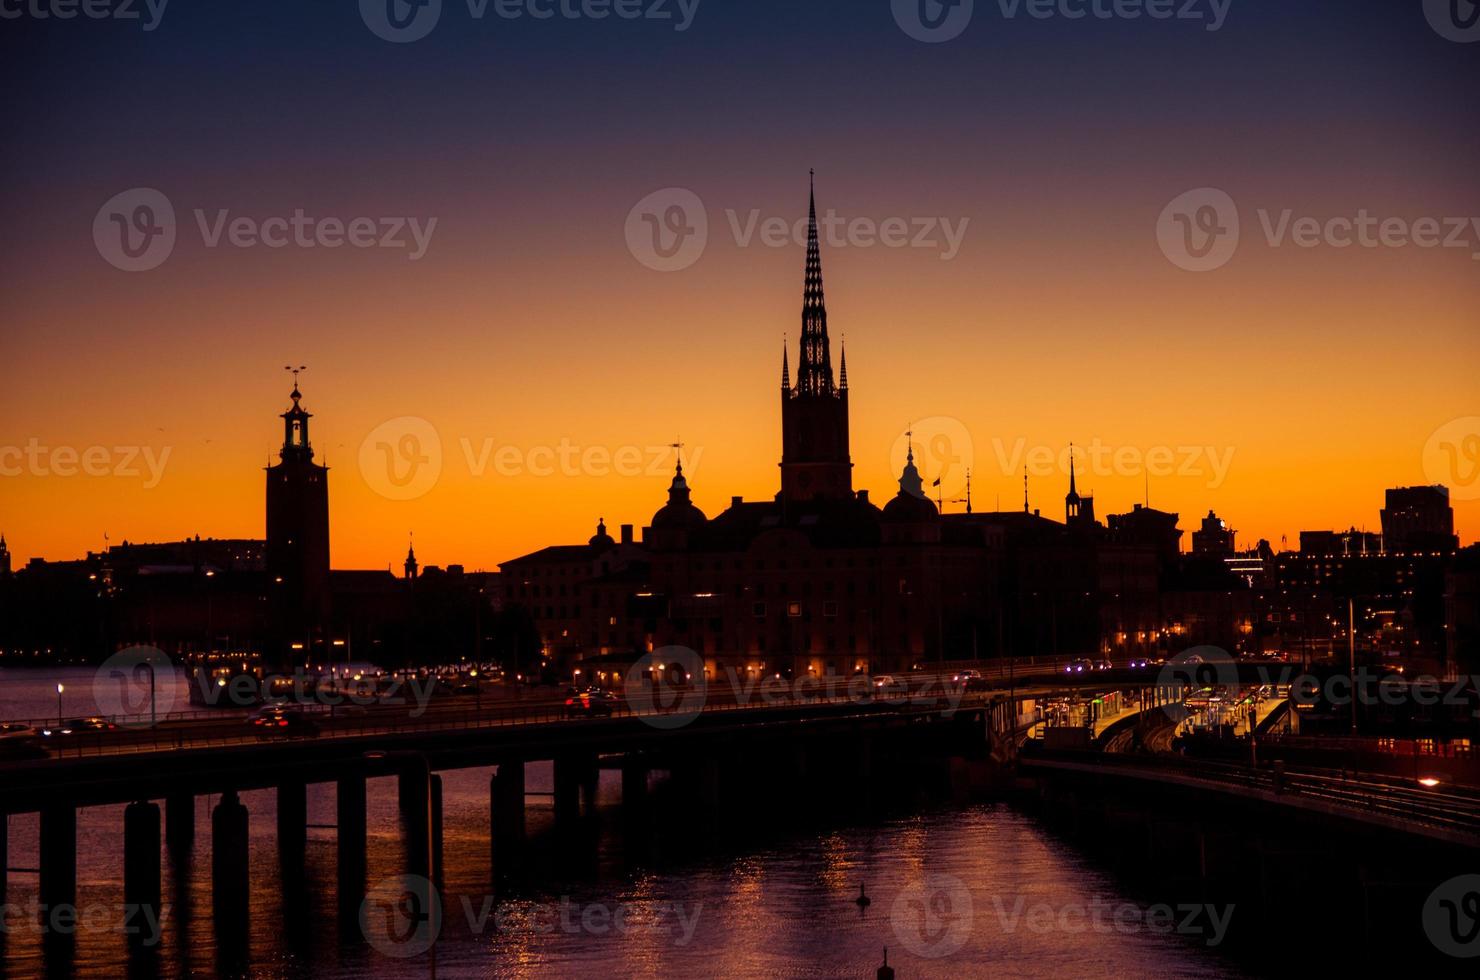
x=782, y=910
x=785, y=910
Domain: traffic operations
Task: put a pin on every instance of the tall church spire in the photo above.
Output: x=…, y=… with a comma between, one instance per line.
x=785, y=367
x=814, y=413
x=814, y=373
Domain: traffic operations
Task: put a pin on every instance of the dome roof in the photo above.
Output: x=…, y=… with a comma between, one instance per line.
x=906, y=507
x=910, y=504
x=601, y=539
x=679, y=512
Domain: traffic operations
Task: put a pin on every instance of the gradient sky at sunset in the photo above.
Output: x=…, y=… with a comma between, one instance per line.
x=1319, y=373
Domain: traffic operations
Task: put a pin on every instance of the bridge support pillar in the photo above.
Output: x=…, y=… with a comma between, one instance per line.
x=292, y=825
x=4, y=856
x=349, y=797
x=179, y=825
x=58, y=856
x=230, y=864
x=141, y=877
x=567, y=792
x=414, y=782
x=506, y=811
x=436, y=828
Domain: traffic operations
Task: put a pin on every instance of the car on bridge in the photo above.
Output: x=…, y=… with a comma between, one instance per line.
x=79, y=726
x=591, y=703
x=19, y=741
x=1138, y=663
x=282, y=720
x=1079, y=666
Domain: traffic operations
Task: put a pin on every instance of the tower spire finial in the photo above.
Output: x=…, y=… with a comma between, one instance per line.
x=1071, y=469
x=814, y=373
x=1025, y=490
x=785, y=366
x=843, y=366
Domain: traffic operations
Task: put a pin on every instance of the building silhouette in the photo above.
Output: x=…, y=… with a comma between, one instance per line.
x=1418, y=519
x=298, y=537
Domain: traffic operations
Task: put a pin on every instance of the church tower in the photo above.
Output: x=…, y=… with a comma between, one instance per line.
x=298, y=538
x=814, y=412
x=4, y=557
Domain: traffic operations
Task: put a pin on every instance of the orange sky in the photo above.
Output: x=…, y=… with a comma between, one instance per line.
x=1323, y=373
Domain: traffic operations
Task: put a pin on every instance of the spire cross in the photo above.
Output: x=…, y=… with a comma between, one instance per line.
x=678, y=448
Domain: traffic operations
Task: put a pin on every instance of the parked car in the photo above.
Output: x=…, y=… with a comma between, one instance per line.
x=591, y=703
x=282, y=720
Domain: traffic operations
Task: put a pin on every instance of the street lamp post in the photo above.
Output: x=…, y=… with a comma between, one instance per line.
x=60, y=689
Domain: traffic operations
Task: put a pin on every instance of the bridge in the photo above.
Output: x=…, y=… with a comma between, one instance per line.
x=717, y=746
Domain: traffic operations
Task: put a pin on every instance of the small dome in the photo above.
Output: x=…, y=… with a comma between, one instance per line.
x=910, y=504
x=907, y=508
x=601, y=539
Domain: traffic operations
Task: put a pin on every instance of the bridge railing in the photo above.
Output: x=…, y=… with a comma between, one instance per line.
x=217, y=731
x=1454, y=808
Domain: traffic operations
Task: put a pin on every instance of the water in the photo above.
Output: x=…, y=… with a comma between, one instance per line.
x=988, y=874
x=30, y=694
